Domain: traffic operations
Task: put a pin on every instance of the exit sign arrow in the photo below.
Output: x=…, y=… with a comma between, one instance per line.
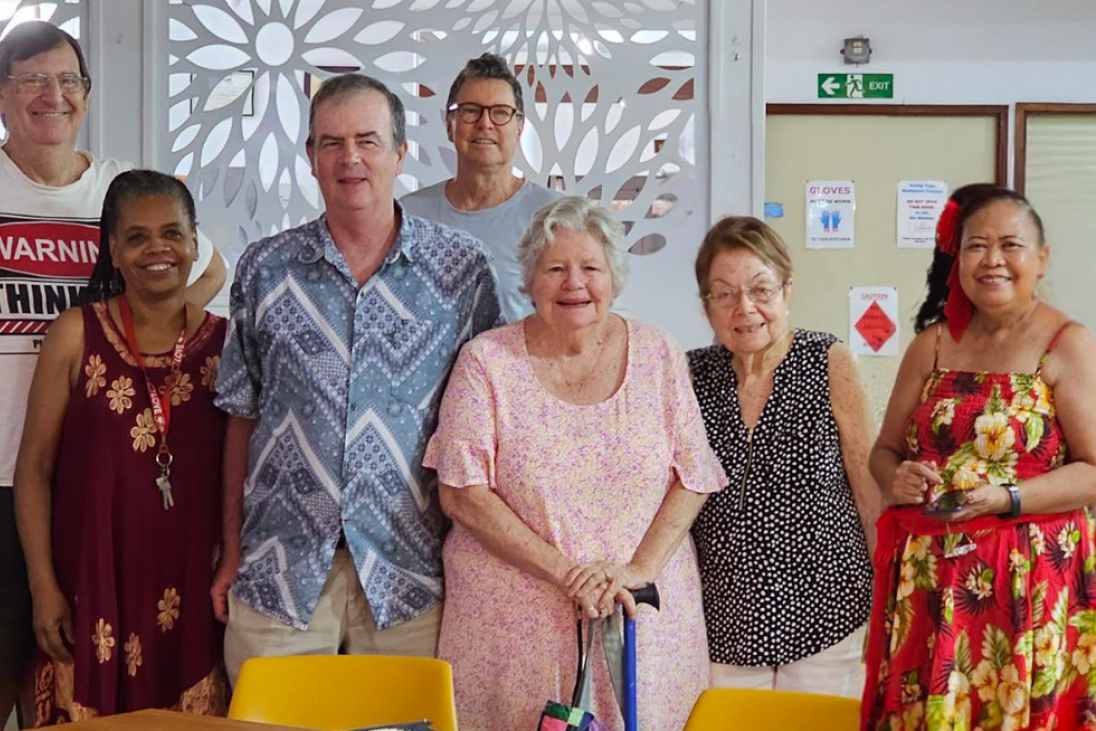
x=856, y=86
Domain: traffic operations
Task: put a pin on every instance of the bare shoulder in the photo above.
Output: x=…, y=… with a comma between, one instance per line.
x=66, y=334
x=63, y=347
x=1074, y=353
x=844, y=368
x=846, y=388
x=923, y=346
x=196, y=317
x=842, y=361
x=920, y=355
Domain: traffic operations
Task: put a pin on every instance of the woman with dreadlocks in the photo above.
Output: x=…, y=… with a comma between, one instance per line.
x=985, y=596
x=117, y=485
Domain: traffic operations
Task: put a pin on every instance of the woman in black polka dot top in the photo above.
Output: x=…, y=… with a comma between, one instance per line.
x=783, y=551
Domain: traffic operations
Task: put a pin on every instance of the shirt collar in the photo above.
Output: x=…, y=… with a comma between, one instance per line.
x=404, y=246
x=405, y=243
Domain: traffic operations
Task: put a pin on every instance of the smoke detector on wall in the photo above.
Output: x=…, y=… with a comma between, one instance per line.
x=857, y=50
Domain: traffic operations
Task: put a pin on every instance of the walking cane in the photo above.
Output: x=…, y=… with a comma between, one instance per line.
x=646, y=595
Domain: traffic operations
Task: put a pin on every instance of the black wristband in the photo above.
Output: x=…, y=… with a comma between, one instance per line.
x=1014, y=497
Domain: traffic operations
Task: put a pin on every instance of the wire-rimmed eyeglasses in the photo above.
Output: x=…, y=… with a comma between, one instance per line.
x=759, y=294
x=69, y=83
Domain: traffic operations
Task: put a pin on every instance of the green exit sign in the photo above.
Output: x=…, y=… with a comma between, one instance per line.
x=856, y=86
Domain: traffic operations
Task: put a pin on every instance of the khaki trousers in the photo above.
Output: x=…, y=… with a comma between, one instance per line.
x=341, y=625
x=837, y=670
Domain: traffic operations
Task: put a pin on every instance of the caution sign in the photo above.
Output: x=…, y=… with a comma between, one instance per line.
x=44, y=268
x=873, y=320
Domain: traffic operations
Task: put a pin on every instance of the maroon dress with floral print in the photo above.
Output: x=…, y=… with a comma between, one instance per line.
x=987, y=623
x=137, y=576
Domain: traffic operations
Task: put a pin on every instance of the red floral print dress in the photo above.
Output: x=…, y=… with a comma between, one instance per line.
x=987, y=623
x=136, y=576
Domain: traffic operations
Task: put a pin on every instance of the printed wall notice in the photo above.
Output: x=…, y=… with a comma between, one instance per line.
x=831, y=213
x=920, y=203
x=873, y=320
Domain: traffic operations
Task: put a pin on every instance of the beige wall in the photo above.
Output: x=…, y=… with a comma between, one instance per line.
x=1061, y=183
x=875, y=152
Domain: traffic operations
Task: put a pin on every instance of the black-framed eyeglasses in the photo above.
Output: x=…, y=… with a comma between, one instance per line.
x=759, y=294
x=69, y=83
x=499, y=114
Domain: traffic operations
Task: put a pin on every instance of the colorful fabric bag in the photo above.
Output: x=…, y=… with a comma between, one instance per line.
x=574, y=717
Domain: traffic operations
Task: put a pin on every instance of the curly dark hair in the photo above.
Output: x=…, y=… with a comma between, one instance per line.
x=971, y=199
x=106, y=281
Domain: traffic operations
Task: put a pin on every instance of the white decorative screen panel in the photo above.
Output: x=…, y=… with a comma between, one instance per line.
x=613, y=94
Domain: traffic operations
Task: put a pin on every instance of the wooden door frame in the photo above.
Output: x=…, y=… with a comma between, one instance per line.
x=999, y=113
x=1023, y=111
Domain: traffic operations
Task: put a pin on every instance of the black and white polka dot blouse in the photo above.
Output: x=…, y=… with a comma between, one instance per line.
x=783, y=558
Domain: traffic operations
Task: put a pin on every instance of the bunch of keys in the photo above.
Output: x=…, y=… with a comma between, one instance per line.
x=164, y=458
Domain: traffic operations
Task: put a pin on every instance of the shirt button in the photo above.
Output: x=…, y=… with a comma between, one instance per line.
x=394, y=409
x=353, y=406
x=389, y=547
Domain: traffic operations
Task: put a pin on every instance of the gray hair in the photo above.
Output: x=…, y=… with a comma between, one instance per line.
x=487, y=66
x=344, y=85
x=27, y=40
x=573, y=213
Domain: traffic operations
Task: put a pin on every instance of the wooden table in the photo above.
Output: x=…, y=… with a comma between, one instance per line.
x=169, y=721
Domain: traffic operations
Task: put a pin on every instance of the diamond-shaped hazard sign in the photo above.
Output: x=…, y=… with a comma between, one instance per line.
x=875, y=327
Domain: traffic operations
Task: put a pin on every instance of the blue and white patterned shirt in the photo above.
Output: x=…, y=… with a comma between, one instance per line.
x=345, y=383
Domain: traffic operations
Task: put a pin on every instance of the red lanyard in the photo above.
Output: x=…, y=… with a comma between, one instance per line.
x=161, y=406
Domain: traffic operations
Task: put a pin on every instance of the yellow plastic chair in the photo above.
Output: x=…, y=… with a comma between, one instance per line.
x=339, y=692
x=732, y=709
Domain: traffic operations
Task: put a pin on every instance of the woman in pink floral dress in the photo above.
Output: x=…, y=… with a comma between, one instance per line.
x=985, y=610
x=572, y=459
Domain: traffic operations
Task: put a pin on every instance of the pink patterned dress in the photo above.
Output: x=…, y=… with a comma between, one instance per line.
x=589, y=481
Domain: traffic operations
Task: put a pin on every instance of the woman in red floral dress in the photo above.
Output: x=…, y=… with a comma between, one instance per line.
x=985, y=609
x=117, y=484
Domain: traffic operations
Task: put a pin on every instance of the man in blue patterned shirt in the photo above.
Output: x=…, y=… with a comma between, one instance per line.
x=341, y=338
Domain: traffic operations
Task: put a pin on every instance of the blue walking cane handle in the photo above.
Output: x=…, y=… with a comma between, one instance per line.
x=646, y=595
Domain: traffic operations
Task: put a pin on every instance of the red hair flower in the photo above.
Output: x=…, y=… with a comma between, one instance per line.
x=947, y=229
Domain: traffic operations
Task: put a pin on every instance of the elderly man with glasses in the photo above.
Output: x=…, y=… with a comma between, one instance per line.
x=485, y=115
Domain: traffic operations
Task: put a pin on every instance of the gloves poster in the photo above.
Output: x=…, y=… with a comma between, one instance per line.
x=831, y=214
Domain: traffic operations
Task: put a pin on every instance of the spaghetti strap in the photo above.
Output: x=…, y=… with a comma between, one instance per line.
x=1053, y=342
x=936, y=355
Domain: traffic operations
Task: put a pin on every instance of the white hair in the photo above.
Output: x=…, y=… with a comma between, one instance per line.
x=573, y=213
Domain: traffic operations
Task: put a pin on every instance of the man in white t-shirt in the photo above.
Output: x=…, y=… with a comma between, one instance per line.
x=52, y=195
x=484, y=118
